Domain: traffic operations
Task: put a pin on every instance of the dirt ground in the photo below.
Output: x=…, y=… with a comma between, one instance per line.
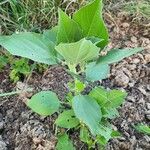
x=21, y=129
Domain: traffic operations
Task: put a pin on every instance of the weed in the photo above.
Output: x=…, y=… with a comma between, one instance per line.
x=19, y=69
x=27, y=15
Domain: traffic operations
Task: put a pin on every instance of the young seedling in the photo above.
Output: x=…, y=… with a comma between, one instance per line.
x=75, y=43
x=143, y=128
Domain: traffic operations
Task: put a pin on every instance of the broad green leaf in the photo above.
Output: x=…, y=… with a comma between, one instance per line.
x=78, y=52
x=116, y=55
x=64, y=143
x=44, y=103
x=67, y=119
x=105, y=132
x=100, y=95
x=30, y=45
x=143, y=128
x=68, y=29
x=109, y=112
x=109, y=99
x=116, y=98
x=90, y=20
x=88, y=111
x=51, y=34
x=97, y=71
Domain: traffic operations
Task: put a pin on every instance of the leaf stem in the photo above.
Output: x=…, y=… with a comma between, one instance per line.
x=15, y=92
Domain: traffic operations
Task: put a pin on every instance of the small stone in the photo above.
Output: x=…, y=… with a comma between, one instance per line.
x=3, y=145
x=132, y=67
x=142, y=91
x=40, y=147
x=9, y=113
x=21, y=85
x=147, y=58
x=1, y=125
x=26, y=115
x=121, y=79
x=121, y=138
x=147, y=112
x=148, y=106
x=139, y=149
x=1, y=117
x=131, y=84
x=148, y=87
x=133, y=140
x=134, y=39
x=136, y=61
x=147, y=138
x=37, y=140
x=125, y=25
x=131, y=99
x=114, y=128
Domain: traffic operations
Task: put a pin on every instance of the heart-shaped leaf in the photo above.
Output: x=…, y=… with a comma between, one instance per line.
x=88, y=111
x=67, y=119
x=97, y=71
x=64, y=143
x=44, y=103
x=109, y=99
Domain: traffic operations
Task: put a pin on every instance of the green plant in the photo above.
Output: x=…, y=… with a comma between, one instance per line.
x=19, y=68
x=75, y=43
x=27, y=15
x=3, y=62
x=143, y=128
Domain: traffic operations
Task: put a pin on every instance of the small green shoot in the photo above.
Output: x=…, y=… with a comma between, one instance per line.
x=143, y=128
